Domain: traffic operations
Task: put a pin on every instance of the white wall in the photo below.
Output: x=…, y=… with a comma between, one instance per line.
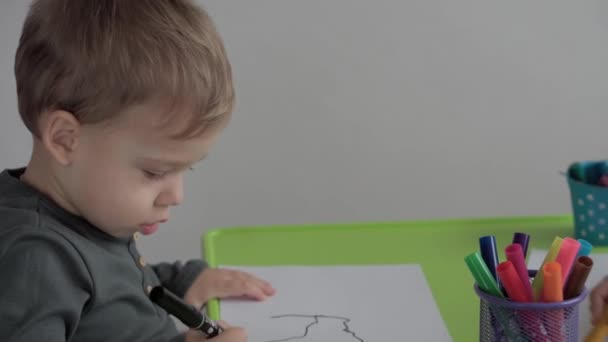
x=385, y=110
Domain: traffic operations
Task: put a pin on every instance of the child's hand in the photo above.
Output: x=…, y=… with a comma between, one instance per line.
x=598, y=298
x=223, y=283
x=230, y=334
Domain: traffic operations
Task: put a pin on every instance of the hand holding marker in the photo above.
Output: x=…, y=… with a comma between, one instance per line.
x=187, y=314
x=600, y=331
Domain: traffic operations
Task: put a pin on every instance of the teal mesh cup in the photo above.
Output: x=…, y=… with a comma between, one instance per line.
x=589, y=202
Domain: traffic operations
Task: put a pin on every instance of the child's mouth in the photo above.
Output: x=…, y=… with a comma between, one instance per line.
x=148, y=229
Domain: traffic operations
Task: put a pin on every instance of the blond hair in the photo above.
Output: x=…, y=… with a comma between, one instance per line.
x=95, y=58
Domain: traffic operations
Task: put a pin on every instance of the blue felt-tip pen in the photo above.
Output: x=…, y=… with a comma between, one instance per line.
x=585, y=248
x=489, y=254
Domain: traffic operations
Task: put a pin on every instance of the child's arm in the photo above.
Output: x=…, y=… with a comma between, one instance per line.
x=45, y=286
x=598, y=298
x=197, y=283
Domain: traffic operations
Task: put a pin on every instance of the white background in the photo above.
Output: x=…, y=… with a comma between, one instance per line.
x=352, y=110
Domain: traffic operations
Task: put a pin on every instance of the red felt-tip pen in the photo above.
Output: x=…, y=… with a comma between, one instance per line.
x=515, y=255
x=512, y=282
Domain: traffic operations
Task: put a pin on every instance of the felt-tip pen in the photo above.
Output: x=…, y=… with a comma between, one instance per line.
x=186, y=313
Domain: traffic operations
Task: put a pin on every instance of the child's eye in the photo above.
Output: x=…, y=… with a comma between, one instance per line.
x=153, y=174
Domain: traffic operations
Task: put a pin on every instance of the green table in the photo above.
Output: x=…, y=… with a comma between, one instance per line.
x=439, y=246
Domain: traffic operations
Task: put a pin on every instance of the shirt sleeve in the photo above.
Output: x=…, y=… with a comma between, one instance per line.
x=178, y=277
x=179, y=338
x=44, y=289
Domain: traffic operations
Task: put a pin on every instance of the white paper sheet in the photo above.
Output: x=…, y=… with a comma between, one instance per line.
x=385, y=303
x=599, y=270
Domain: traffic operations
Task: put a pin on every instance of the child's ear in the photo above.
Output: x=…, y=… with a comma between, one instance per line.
x=60, y=131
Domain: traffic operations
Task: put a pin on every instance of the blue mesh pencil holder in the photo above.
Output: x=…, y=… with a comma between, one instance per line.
x=589, y=203
x=502, y=320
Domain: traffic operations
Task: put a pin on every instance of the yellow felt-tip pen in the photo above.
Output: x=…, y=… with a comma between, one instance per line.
x=537, y=282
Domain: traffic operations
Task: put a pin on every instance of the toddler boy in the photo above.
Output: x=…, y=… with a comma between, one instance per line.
x=121, y=98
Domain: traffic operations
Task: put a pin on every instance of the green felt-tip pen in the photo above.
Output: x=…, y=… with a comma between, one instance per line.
x=481, y=273
x=487, y=283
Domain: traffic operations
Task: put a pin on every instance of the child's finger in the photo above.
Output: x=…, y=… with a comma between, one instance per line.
x=254, y=291
x=194, y=336
x=223, y=325
x=598, y=298
x=231, y=335
x=267, y=288
x=251, y=287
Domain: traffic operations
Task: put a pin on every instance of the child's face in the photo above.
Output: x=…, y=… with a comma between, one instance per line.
x=126, y=177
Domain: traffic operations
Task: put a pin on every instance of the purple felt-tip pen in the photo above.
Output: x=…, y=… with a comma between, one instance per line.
x=522, y=239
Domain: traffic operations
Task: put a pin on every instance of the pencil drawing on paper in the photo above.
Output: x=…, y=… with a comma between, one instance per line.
x=317, y=328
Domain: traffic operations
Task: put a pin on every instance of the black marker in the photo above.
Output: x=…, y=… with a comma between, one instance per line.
x=187, y=314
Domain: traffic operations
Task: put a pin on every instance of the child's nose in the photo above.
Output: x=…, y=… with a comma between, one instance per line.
x=172, y=195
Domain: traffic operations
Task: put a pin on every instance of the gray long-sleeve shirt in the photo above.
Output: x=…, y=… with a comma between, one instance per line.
x=62, y=279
